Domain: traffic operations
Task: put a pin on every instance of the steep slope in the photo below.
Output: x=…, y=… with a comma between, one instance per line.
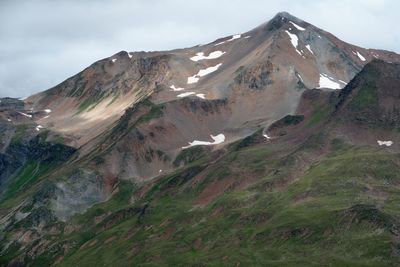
x=149, y=149
x=309, y=195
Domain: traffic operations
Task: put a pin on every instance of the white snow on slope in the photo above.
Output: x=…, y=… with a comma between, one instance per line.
x=309, y=49
x=297, y=26
x=360, y=56
x=176, y=89
x=234, y=37
x=208, y=70
x=186, y=94
x=212, y=55
x=327, y=82
x=113, y=60
x=202, y=96
x=8, y=119
x=266, y=136
x=24, y=114
x=192, y=79
x=39, y=127
x=218, y=139
x=294, y=40
x=47, y=110
x=301, y=78
x=385, y=143
x=129, y=55
x=201, y=73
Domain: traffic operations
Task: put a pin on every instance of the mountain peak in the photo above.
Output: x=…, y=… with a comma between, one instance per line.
x=287, y=16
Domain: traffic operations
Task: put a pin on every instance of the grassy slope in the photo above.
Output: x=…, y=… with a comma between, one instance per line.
x=322, y=217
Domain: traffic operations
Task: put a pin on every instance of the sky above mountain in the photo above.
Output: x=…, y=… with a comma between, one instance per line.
x=44, y=42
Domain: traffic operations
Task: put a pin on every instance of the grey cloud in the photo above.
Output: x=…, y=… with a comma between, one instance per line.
x=44, y=42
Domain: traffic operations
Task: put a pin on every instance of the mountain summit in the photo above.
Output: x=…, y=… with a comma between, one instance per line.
x=265, y=147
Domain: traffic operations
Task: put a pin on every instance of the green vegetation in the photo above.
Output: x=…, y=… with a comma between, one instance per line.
x=19, y=133
x=26, y=176
x=154, y=113
x=327, y=217
x=91, y=102
x=292, y=119
x=189, y=155
x=320, y=114
x=115, y=97
x=366, y=97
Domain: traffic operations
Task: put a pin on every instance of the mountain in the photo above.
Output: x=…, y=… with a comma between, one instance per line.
x=278, y=146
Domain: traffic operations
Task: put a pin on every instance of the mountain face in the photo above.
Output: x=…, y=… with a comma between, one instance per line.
x=278, y=146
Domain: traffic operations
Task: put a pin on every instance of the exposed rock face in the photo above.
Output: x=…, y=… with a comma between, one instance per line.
x=256, y=77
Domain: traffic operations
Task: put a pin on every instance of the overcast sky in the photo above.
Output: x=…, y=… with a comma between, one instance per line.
x=43, y=42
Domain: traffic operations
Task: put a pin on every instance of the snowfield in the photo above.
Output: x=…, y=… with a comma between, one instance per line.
x=266, y=136
x=202, y=96
x=26, y=115
x=297, y=26
x=309, y=49
x=294, y=40
x=234, y=37
x=213, y=55
x=176, y=89
x=385, y=143
x=186, y=94
x=203, y=72
x=218, y=139
x=360, y=56
x=327, y=82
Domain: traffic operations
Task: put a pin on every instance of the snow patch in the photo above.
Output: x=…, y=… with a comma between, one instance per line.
x=186, y=94
x=218, y=139
x=39, y=127
x=26, y=115
x=301, y=78
x=113, y=60
x=202, y=96
x=266, y=136
x=192, y=79
x=360, y=56
x=212, y=55
x=201, y=73
x=47, y=110
x=176, y=89
x=294, y=40
x=234, y=37
x=8, y=119
x=327, y=82
x=129, y=55
x=248, y=36
x=297, y=26
x=385, y=143
x=309, y=49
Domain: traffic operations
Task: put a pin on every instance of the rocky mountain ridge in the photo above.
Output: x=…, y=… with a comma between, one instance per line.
x=150, y=138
